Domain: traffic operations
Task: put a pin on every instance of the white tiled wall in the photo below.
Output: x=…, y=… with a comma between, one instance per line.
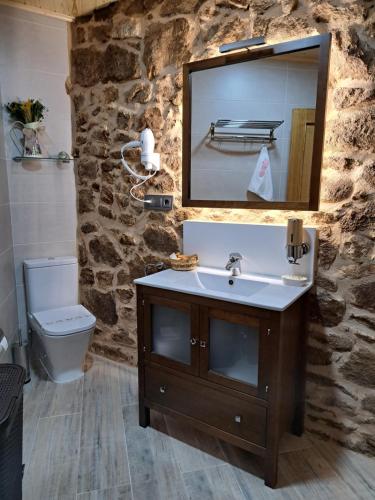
x=34, y=63
x=8, y=304
x=255, y=90
x=262, y=246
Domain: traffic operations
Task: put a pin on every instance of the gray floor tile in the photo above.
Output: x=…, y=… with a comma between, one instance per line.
x=216, y=483
x=248, y=470
x=355, y=469
x=299, y=479
x=48, y=481
x=153, y=466
x=90, y=450
x=289, y=443
x=128, y=380
x=62, y=399
x=120, y=493
x=34, y=393
x=193, y=449
x=57, y=439
x=103, y=466
x=102, y=411
x=167, y=488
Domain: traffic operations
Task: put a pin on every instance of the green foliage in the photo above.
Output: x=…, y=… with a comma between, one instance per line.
x=28, y=111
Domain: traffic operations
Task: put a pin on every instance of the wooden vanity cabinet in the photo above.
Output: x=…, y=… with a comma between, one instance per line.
x=234, y=371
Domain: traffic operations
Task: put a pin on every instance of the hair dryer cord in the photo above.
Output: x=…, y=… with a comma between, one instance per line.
x=139, y=184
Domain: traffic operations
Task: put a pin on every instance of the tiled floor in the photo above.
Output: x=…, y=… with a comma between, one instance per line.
x=83, y=442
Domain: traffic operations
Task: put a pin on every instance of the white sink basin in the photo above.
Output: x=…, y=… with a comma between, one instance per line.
x=267, y=292
x=229, y=284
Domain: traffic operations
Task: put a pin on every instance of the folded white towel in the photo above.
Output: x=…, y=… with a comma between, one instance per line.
x=261, y=180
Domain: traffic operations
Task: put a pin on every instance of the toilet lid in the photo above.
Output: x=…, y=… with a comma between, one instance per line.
x=64, y=320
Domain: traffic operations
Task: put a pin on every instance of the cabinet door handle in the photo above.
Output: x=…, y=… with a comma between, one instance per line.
x=238, y=419
x=203, y=344
x=163, y=389
x=193, y=341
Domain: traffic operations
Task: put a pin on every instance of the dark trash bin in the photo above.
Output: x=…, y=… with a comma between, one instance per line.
x=12, y=378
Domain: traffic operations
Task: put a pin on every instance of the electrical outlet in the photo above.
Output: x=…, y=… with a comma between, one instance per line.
x=158, y=202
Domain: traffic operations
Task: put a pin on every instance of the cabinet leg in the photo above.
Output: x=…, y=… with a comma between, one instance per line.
x=298, y=421
x=297, y=427
x=270, y=473
x=144, y=416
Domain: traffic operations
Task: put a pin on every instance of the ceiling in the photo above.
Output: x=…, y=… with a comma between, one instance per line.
x=63, y=9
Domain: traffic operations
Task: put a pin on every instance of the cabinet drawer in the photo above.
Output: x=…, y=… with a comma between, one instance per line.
x=226, y=412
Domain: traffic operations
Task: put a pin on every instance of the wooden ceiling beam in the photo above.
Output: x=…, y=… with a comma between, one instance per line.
x=66, y=10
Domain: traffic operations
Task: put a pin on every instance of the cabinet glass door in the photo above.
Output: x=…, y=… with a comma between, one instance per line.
x=171, y=333
x=234, y=350
x=231, y=350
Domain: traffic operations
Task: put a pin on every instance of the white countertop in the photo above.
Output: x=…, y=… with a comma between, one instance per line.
x=266, y=292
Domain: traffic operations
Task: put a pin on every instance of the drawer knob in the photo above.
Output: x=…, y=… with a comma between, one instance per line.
x=193, y=341
x=163, y=389
x=238, y=419
x=203, y=344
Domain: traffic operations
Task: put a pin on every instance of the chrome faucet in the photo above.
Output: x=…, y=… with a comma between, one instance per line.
x=234, y=263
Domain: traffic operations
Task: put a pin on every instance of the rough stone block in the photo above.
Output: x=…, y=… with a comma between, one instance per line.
x=103, y=251
x=167, y=44
x=363, y=296
x=360, y=368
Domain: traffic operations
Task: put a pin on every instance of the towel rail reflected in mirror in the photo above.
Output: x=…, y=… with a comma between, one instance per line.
x=283, y=89
x=242, y=135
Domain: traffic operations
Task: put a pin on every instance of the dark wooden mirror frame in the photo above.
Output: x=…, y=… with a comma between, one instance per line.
x=320, y=41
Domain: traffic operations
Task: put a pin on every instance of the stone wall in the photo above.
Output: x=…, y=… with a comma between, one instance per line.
x=126, y=74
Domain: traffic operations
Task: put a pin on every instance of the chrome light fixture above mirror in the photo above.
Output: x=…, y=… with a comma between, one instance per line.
x=242, y=44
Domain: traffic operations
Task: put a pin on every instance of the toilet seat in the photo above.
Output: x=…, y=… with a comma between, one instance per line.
x=63, y=321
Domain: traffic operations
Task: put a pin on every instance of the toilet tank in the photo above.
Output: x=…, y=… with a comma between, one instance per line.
x=51, y=283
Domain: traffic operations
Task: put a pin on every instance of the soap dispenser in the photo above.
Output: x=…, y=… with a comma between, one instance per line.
x=296, y=247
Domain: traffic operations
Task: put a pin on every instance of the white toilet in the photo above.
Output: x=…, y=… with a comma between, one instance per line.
x=61, y=328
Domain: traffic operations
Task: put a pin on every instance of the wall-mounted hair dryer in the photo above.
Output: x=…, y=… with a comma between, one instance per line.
x=296, y=247
x=149, y=159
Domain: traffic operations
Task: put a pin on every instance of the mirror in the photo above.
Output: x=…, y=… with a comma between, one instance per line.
x=253, y=126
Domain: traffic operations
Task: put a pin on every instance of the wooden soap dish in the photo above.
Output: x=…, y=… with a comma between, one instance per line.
x=184, y=262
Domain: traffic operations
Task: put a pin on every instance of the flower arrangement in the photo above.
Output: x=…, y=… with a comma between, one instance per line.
x=29, y=111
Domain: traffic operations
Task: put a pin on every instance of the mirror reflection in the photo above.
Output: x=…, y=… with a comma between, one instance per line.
x=252, y=129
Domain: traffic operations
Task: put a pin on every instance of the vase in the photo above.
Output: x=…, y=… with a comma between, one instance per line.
x=27, y=139
x=31, y=145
